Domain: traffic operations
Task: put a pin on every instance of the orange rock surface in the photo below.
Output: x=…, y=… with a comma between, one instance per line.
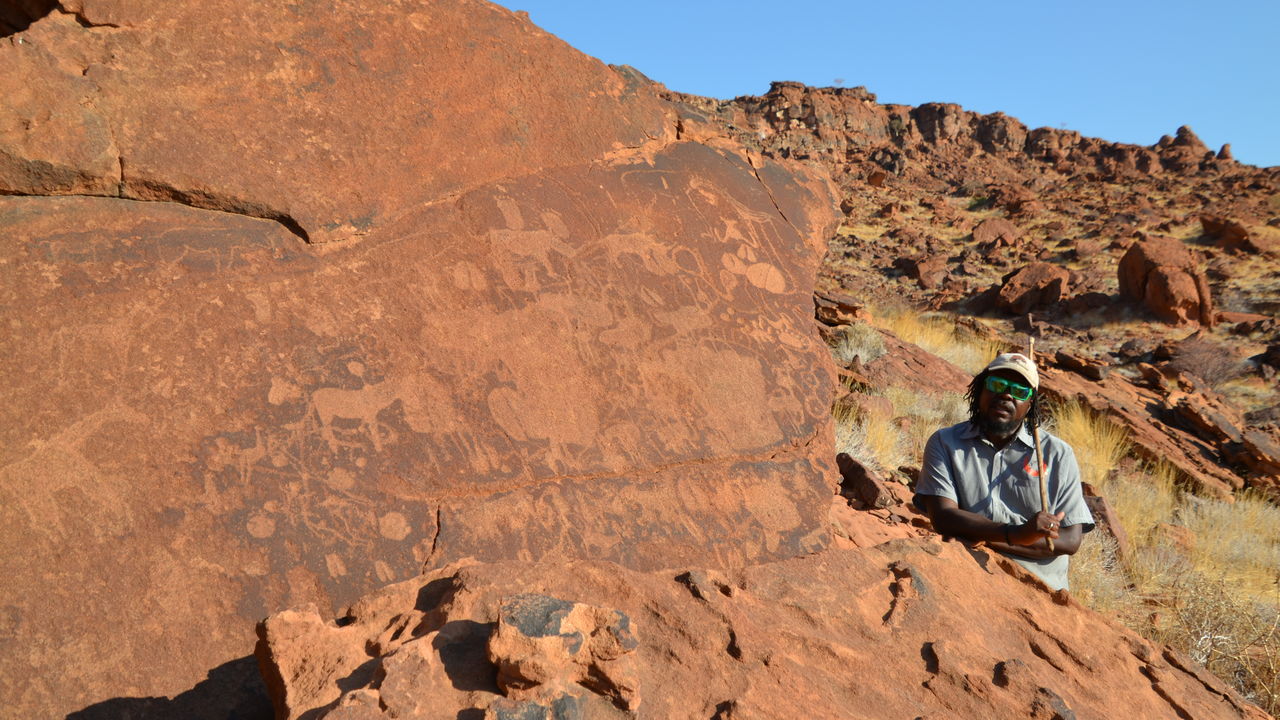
x=545, y=327
x=488, y=375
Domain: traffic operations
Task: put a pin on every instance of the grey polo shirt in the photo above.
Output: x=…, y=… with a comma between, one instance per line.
x=1004, y=485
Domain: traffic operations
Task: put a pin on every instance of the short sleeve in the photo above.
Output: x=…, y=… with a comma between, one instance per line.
x=935, y=472
x=1069, y=498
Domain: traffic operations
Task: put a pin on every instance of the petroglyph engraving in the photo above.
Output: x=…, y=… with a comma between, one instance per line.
x=74, y=492
x=364, y=405
x=760, y=274
x=525, y=262
x=393, y=526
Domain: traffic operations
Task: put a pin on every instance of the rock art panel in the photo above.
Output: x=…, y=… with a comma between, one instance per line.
x=264, y=424
x=544, y=297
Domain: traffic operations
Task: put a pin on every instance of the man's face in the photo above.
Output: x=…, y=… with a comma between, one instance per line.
x=1001, y=413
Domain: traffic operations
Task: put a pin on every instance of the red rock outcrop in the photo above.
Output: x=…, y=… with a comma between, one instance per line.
x=890, y=631
x=1142, y=408
x=1164, y=275
x=1032, y=287
x=995, y=233
x=319, y=123
x=1234, y=235
x=848, y=129
x=550, y=329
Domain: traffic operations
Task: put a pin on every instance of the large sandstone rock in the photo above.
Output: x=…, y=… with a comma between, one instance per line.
x=1164, y=275
x=332, y=123
x=1032, y=287
x=1235, y=235
x=549, y=330
x=993, y=233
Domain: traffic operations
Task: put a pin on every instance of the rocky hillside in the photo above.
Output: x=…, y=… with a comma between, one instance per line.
x=1114, y=256
x=488, y=374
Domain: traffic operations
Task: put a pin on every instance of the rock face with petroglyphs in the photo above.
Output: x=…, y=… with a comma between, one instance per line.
x=299, y=301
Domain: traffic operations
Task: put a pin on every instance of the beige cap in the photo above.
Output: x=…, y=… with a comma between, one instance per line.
x=1018, y=363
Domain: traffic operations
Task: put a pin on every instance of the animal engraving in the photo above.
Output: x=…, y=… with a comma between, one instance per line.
x=363, y=405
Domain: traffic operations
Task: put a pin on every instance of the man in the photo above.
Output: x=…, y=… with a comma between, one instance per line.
x=980, y=479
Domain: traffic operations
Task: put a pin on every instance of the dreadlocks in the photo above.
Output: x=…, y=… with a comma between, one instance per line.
x=975, y=390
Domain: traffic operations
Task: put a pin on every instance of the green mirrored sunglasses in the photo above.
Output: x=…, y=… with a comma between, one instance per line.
x=999, y=385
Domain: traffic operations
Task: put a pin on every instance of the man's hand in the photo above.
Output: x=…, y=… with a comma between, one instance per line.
x=1033, y=531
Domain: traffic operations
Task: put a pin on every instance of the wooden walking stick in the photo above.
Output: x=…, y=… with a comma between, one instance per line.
x=1035, y=436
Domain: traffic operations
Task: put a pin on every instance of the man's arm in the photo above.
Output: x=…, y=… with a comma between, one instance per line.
x=1026, y=540
x=1065, y=542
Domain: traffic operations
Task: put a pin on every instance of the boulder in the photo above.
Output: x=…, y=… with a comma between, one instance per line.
x=1233, y=235
x=1262, y=452
x=1163, y=275
x=364, y=289
x=999, y=133
x=927, y=270
x=996, y=233
x=861, y=485
x=833, y=309
x=1204, y=418
x=1085, y=248
x=1035, y=286
x=1092, y=369
x=1228, y=234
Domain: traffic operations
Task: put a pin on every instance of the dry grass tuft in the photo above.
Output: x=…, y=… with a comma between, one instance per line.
x=1099, y=444
x=1143, y=500
x=869, y=437
x=1238, y=542
x=938, y=333
x=922, y=414
x=859, y=341
x=885, y=440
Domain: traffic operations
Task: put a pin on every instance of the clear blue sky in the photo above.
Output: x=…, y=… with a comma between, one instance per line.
x=1123, y=70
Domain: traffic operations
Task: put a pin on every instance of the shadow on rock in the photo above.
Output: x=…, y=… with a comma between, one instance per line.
x=232, y=691
x=464, y=649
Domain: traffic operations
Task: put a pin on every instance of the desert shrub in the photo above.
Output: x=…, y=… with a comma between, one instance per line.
x=1239, y=641
x=859, y=341
x=1209, y=361
x=1099, y=580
